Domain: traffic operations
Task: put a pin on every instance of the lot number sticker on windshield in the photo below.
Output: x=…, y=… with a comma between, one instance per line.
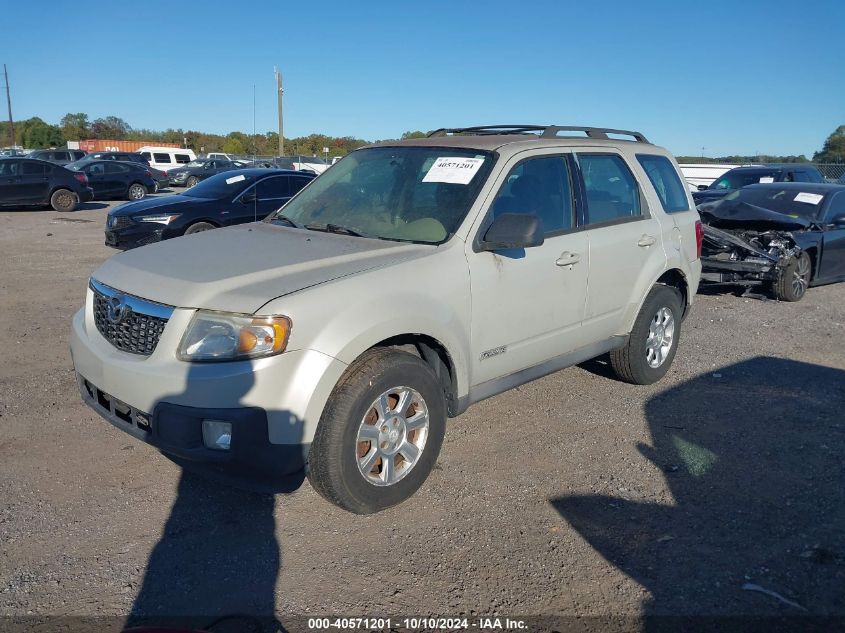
x=234, y=179
x=809, y=198
x=457, y=171
x=767, y=179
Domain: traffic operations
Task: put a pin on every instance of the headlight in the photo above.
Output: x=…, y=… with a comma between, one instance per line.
x=219, y=336
x=158, y=219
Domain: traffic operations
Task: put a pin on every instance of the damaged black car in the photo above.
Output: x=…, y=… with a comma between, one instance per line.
x=783, y=236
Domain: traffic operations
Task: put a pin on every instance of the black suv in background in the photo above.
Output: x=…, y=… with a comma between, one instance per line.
x=198, y=170
x=57, y=156
x=740, y=177
x=130, y=157
x=31, y=182
x=233, y=197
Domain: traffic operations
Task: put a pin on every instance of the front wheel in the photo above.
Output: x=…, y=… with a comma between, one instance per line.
x=193, y=180
x=380, y=433
x=653, y=341
x=136, y=191
x=793, y=279
x=199, y=227
x=63, y=200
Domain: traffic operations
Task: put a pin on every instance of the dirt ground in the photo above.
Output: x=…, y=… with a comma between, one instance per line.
x=574, y=495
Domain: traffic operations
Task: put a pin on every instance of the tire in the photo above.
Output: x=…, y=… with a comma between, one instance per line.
x=136, y=191
x=64, y=200
x=199, y=227
x=192, y=180
x=155, y=186
x=793, y=279
x=341, y=454
x=653, y=341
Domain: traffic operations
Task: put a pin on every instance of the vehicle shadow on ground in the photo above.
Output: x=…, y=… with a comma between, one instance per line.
x=755, y=462
x=91, y=206
x=217, y=561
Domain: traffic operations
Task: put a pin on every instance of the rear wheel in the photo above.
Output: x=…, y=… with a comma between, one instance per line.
x=199, y=227
x=793, y=279
x=63, y=200
x=192, y=180
x=380, y=433
x=653, y=341
x=136, y=191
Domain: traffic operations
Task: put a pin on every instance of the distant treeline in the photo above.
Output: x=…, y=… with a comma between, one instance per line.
x=35, y=133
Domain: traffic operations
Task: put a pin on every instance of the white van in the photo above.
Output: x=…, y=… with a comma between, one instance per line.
x=165, y=158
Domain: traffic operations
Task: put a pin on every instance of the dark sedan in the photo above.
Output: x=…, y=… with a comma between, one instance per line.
x=31, y=182
x=787, y=236
x=235, y=197
x=114, y=179
x=198, y=170
x=740, y=177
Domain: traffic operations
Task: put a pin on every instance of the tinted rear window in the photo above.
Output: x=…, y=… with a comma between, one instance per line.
x=161, y=158
x=666, y=182
x=182, y=158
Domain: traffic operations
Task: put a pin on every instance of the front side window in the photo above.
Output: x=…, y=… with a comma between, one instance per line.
x=541, y=187
x=96, y=169
x=664, y=178
x=612, y=192
x=738, y=180
x=161, y=158
x=414, y=194
x=9, y=167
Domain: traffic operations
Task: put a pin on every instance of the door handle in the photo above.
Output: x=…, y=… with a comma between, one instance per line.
x=646, y=241
x=567, y=259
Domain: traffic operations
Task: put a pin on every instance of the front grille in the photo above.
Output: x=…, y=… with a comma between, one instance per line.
x=130, y=324
x=119, y=221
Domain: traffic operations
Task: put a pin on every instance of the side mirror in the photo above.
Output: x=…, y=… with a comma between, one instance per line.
x=249, y=198
x=702, y=187
x=838, y=220
x=513, y=230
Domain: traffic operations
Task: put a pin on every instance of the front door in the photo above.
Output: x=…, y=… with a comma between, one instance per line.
x=832, y=263
x=10, y=189
x=527, y=304
x=34, y=184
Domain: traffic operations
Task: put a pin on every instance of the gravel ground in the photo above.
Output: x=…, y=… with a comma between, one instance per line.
x=572, y=495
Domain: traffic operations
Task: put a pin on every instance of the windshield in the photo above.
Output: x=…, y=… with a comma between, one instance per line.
x=195, y=163
x=739, y=179
x=791, y=202
x=415, y=194
x=223, y=185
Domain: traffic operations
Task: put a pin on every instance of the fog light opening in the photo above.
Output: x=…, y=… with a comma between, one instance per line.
x=217, y=434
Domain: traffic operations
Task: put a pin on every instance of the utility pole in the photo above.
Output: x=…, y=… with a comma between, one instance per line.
x=281, y=127
x=12, y=123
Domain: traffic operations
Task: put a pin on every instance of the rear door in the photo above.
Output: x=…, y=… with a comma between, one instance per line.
x=626, y=241
x=117, y=177
x=34, y=184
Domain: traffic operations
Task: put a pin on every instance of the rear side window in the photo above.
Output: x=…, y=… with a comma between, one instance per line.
x=666, y=182
x=612, y=191
x=161, y=158
x=33, y=169
x=116, y=168
x=182, y=158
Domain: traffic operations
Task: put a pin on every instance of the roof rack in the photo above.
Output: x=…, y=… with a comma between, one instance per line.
x=545, y=131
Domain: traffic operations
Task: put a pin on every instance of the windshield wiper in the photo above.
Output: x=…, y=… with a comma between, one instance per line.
x=283, y=218
x=335, y=228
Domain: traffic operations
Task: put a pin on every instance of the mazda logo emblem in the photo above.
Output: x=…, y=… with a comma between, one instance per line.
x=116, y=310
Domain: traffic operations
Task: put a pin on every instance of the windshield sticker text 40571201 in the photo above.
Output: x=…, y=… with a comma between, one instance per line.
x=454, y=170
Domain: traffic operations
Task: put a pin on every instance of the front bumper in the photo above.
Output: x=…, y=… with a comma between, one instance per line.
x=177, y=432
x=136, y=235
x=283, y=395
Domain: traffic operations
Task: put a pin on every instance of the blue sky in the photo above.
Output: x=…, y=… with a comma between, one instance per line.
x=737, y=77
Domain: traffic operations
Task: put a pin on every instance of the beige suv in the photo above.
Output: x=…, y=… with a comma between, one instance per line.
x=409, y=281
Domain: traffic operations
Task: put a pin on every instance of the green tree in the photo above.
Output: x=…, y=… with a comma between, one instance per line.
x=414, y=134
x=75, y=126
x=833, y=150
x=34, y=133
x=110, y=127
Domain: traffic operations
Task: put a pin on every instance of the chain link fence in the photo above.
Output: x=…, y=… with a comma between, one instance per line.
x=832, y=172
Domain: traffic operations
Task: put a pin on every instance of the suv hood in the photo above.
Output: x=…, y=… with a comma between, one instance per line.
x=239, y=269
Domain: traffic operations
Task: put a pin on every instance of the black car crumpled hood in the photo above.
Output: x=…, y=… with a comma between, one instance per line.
x=734, y=215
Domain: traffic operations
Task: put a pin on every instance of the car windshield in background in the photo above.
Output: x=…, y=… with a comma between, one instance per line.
x=219, y=186
x=787, y=201
x=414, y=194
x=195, y=163
x=741, y=179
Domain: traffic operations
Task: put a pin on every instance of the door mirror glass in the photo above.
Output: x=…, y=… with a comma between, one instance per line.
x=838, y=220
x=513, y=230
x=249, y=198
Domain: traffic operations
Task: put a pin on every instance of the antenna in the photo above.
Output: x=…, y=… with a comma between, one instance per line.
x=9, y=103
x=279, y=93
